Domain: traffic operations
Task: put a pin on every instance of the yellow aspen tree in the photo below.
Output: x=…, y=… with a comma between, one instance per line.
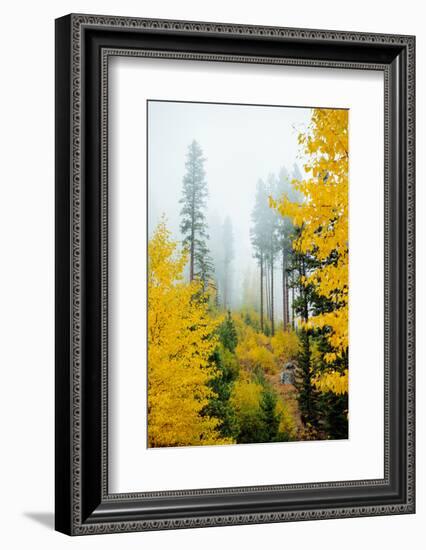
x=180, y=342
x=322, y=216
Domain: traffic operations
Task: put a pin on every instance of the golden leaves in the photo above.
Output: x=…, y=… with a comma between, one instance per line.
x=286, y=346
x=180, y=343
x=333, y=381
x=323, y=219
x=253, y=350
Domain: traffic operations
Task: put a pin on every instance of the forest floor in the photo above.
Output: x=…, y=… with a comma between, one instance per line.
x=288, y=393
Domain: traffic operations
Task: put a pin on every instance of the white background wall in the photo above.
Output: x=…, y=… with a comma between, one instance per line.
x=27, y=262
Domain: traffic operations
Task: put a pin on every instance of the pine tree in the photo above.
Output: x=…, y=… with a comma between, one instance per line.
x=227, y=371
x=264, y=241
x=259, y=238
x=228, y=333
x=269, y=415
x=193, y=225
x=285, y=235
x=219, y=405
x=302, y=307
x=323, y=218
x=272, y=247
x=204, y=266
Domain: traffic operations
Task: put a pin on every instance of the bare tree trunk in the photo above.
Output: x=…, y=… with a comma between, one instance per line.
x=292, y=307
x=305, y=299
x=192, y=247
x=268, y=296
x=272, y=296
x=286, y=318
x=261, y=291
x=191, y=258
x=287, y=301
x=283, y=287
x=307, y=374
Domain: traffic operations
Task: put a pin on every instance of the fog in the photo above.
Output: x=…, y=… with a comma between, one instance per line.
x=241, y=143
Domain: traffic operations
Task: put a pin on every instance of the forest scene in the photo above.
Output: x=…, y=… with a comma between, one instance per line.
x=248, y=259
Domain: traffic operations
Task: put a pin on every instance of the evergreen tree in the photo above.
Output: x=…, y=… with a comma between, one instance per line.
x=269, y=416
x=227, y=371
x=323, y=218
x=285, y=235
x=204, y=266
x=299, y=268
x=324, y=413
x=271, y=227
x=264, y=241
x=220, y=406
x=228, y=333
x=259, y=238
x=193, y=224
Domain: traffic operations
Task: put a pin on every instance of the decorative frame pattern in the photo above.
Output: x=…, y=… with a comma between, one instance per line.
x=83, y=504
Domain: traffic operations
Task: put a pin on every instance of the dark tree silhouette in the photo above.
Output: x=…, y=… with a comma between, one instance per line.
x=193, y=224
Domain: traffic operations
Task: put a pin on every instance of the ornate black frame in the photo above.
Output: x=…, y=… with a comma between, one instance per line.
x=83, y=46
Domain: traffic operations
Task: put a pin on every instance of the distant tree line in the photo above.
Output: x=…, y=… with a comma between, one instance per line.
x=271, y=238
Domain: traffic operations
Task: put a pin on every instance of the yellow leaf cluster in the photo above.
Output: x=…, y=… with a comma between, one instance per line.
x=246, y=399
x=287, y=419
x=286, y=345
x=245, y=396
x=180, y=342
x=253, y=350
x=333, y=381
x=322, y=216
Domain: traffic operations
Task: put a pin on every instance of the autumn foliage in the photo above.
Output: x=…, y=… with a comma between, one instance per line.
x=322, y=217
x=181, y=340
x=218, y=375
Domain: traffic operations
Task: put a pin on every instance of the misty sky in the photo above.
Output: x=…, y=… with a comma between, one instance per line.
x=241, y=143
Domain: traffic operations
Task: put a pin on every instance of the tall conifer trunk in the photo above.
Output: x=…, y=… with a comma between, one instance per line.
x=306, y=353
x=193, y=224
x=286, y=319
x=272, y=295
x=192, y=250
x=261, y=292
x=268, y=295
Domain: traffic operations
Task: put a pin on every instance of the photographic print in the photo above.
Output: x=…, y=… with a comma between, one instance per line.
x=248, y=284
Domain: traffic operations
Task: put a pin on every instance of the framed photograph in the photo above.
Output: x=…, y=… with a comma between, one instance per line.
x=234, y=274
